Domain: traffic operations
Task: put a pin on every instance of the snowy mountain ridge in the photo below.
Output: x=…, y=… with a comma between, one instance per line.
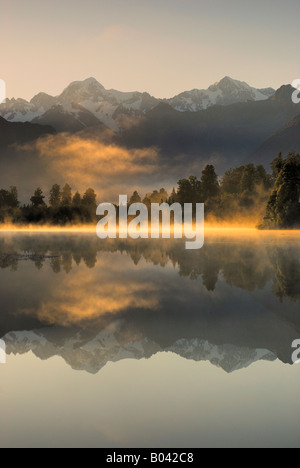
x=224, y=92
x=93, y=353
x=89, y=103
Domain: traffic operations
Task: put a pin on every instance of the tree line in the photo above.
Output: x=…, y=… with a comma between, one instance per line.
x=248, y=190
x=62, y=208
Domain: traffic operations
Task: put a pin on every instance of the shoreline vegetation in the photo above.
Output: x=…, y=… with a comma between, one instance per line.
x=246, y=197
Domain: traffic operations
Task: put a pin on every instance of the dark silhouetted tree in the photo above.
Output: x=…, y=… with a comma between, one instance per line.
x=66, y=195
x=189, y=190
x=55, y=196
x=9, y=204
x=135, y=198
x=231, y=181
x=173, y=197
x=247, y=182
x=157, y=196
x=89, y=198
x=89, y=203
x=283, y=208
x=9, y=198
x=276, y=166
x=13, y=197
x=77, y=200
x=209, y=183
x=37, y=199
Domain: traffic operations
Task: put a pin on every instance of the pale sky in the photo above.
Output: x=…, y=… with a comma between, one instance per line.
x=160, y=46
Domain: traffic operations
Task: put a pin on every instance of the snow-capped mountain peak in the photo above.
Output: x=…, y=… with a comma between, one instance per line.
x=227, y=82
x=43, y=100
x=110, y=345
x=237, y=90
x=110, y=106
x=81, y=90
x=224, y=92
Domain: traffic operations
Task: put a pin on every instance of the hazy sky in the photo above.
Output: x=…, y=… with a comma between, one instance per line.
x=161, y=46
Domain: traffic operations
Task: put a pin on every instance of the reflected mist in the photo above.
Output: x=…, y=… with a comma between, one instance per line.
x=232, y=303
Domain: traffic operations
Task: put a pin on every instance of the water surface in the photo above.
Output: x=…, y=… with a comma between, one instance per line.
x=143, y=343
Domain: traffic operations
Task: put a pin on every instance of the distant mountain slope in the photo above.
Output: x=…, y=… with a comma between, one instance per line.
x=11, y=133
x=284, y=140
x=72, y=121
x=110, y=107
x=224, y=135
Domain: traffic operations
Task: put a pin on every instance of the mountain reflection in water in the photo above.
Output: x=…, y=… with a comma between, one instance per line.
x=232, y=303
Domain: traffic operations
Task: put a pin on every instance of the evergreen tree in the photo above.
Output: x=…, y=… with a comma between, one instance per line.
x=13, y=196
x=66, y=196
x=209, y=183
x=277, y=165
x=135, y=198
x=283, y=207
x=247, y=181
x=189, y=190
x=89, y=198
x=9, y=204
x=76, y=201
x=55, y=196
x=89, y=203
x=231, y=181
x=262, y=178
x=156, y=196
x=37, y=199
x=173, y=197
x=9, y=198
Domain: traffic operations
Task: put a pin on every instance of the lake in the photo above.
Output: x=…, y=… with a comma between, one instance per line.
x=145, y=344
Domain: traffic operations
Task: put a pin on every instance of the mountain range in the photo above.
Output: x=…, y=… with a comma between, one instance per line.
x=229, y=124
x=87, y=103
x=110, y=346
x=225, y=136
x=223, y=93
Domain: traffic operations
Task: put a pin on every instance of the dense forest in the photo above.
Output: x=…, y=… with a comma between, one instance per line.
x=244, y=193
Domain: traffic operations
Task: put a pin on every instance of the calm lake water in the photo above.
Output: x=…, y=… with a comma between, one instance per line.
x=146, y=344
